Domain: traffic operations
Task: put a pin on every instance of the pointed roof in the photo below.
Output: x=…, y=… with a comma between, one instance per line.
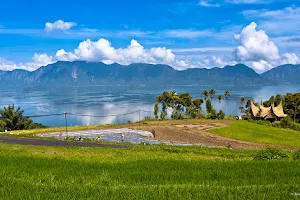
x=254, y=109
x=278, y=110
x=268, y=112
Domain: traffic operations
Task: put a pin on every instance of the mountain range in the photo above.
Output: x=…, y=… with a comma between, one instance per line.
x=88, y=73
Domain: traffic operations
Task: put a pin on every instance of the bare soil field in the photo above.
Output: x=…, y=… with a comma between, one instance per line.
x=195, y=132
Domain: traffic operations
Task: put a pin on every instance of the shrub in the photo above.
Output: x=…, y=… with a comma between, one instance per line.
x=296, y=126
x=271, y=154
x=286, y=122
x=246, y=117
x=221, y=114
x=296, y=155
x=2, y=125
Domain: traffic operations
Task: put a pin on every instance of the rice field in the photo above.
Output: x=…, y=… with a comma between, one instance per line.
x=157, y=172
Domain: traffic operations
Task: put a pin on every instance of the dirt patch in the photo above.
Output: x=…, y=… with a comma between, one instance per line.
x=193, y=133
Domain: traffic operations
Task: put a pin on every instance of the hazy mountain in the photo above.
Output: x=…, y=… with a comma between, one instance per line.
x=84, y=73
x=284, y=74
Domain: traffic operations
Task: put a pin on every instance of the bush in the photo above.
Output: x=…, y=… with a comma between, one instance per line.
x=212, y=114
x=246, y=117
x=286, y=122
x=221, y=114
x=271, y=154
x=296, y=155
x=2, y=125
x=296, y=126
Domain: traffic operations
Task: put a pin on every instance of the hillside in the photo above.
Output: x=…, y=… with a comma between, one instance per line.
x=284, y=74
x=84, y=73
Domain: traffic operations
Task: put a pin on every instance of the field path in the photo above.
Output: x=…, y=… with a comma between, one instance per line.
x=43, y=142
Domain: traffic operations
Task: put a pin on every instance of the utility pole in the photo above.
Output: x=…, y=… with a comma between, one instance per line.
x=139, y=119
x=65, y=114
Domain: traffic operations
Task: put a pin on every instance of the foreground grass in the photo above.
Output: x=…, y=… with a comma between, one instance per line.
x=253, y=132
x=160, y=172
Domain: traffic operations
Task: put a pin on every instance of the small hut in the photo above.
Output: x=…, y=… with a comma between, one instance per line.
x=272, y=113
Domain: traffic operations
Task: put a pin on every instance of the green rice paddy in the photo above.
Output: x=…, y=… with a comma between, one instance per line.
x=159, y=172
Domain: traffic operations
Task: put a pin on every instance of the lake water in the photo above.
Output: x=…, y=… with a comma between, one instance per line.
x=110, y=104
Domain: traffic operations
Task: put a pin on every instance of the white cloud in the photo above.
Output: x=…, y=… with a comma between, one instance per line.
x=207, y=3
x=261, y=66
x=290, y=58
x=103, y=51
x=59, y=25
x=62, y=55
x=255, y=45
x=37, y=61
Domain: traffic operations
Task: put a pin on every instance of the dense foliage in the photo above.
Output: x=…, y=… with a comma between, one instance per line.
x=271, y=154
x=183, y=106
x=291, y=104
x=12, y=118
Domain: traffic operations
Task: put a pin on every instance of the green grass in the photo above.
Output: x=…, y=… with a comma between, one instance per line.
x=159, y=172
x=243, y=130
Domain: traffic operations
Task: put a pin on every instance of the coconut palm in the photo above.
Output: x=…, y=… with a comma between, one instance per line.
x=220, y=98
x=227, y=95
x=205, y=94
x=211, y=93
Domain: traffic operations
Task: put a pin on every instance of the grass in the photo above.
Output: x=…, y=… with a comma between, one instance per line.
x=159, y=172
x=243, y=130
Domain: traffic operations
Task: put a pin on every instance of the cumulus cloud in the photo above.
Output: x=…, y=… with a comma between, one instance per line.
x=37, y=61
x=255, y=45
x=59, y=25
x=290, y=58
x=103, y=51
x=261, y=66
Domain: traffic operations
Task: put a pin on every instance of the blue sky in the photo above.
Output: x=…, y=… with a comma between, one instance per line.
x=183, y=34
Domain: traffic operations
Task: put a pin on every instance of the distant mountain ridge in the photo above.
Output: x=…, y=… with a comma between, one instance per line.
x=284, y=74
x=89, y=73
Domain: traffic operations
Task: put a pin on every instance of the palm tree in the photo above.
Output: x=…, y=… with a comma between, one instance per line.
x=211, y=93
x=227, y=95
x=220, y=98
x=205, y=94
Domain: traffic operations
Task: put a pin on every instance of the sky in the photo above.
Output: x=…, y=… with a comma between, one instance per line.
x=183, y=34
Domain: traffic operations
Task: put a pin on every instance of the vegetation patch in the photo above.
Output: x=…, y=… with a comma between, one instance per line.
x=271, y=154
x=247, y=131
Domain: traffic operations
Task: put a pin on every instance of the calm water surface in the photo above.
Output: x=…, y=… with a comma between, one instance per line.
x=114, y=100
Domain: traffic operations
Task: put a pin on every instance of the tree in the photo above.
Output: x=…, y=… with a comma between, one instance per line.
x=156, y=108
x=14, y=119
x=209, y=106
x=242, y=102
x=205, y=94
x=221, y=114
x=211, y=93
x=227, y=95
x=220, y=98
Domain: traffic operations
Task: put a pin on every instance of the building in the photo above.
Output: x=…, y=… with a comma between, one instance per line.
x=271, y=113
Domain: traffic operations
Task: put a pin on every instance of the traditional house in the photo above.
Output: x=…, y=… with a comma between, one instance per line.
x=271, y=113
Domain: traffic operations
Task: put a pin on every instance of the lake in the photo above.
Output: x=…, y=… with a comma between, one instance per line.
x=116, y=104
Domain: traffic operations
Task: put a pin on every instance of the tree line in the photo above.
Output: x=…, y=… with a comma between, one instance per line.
x=183, y=106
